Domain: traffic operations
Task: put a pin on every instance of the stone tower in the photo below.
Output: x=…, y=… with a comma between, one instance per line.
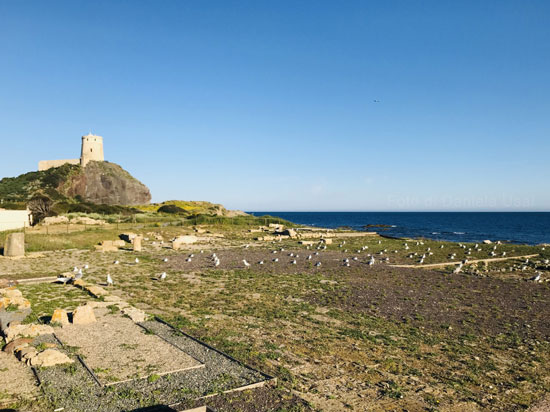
x=92, y=149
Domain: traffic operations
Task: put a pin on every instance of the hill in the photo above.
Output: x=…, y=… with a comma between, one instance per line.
x=192, y=207
x=98, y=182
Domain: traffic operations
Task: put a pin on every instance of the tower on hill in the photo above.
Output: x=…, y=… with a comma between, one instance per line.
x=92, y=149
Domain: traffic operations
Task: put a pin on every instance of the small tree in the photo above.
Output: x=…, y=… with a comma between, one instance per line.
x=40, y=207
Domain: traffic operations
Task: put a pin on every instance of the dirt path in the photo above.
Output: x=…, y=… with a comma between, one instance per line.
x=470, y=262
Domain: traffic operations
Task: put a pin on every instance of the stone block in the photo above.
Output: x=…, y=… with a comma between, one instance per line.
x=136, y=244
x=50, y=357
x=15, y=245
x=83, y=315
x=60, y=316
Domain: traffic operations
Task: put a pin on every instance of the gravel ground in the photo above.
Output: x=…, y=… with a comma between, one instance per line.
x=74, y=389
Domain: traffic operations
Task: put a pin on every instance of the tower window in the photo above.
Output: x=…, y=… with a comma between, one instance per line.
x=90, y=150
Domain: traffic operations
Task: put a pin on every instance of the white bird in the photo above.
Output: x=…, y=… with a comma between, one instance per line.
x=217, y=263
x=75, y=269
x=188, y=259
x=78, y=276
x=246, y=246
x=355, y=258
x=346, y=260
x=165, y=259
x=246, y=263
x=79, y=273
x=86, y=266
x=276, y=260
x=309, y=257
x=163, y=276
x=261, y=262
x=116, y=262
x=137, y=260
x=191, y=255
x=318, y=264
x=458, y=269
x=293, y=262
x=537, y=277
x=109, y=280
x=371, y=262
x=202, y=251
x=62, y=279
x=316, y=253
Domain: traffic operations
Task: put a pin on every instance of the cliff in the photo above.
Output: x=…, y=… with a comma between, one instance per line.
x=98, y=182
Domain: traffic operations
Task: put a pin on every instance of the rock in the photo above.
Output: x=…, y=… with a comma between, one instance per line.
x=60, y=316
x=84, y=220
x=24, y=353
x=50, y=357
x=31, y=330
x=199, y=230
x=16, y=343
x=108, y=183
x=15, y=245
x=107, y=246
x=83, y=315
x=96, y=291
x=326, y=241
x=137, y=243
x=54, y=220
x=119, y=243
x=7, y=283
x=137, y=315
x=183, y=240
x=127, y=237
x=288, y=232
x=13, y=307
x=487, y=242
x=306, y=242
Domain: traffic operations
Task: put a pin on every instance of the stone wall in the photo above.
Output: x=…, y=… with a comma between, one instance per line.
x=14, y=219
x=48, y=164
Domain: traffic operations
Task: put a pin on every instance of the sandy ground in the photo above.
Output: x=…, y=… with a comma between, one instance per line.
x=16, y=379
x=117, y=349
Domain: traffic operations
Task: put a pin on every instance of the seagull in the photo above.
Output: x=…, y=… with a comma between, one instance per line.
x=217, y=263
x=79, y=273
x=458, y=269
x=191, y=255
x=276, y=260
x=371, y=262
x=293, y=262
x=109, y=280
x=116, y=262
x=163, y=276
x=537, y=277
x=246, y=263
x=318, y=264
x=188, y=259
x=62, y=279
x=137, y=260
x=165, y=260
x=246, y=246
x=75, y=269
x=78, y=276
x=261, y=262
x=86, y=266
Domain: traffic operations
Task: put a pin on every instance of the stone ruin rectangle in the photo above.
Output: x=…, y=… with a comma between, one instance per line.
x=118, y=350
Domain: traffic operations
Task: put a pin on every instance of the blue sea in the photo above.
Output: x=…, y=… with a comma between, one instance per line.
x=514, y=227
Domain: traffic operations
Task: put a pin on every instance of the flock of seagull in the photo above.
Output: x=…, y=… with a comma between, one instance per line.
x=420, y=257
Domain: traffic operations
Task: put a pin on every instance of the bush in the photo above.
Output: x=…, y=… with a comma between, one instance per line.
x=173, y=209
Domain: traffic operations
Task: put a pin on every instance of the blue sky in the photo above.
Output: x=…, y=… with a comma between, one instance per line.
x=270, y=105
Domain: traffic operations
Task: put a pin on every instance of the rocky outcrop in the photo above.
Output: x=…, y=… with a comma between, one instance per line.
x=99, y=182
x=108, y=183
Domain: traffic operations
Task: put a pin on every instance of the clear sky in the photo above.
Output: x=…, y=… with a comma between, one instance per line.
x=289, y=105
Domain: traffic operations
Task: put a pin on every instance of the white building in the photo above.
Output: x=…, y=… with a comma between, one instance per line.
x=14, y=219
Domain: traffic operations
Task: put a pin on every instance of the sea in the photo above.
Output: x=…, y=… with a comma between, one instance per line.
x=514, y=227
